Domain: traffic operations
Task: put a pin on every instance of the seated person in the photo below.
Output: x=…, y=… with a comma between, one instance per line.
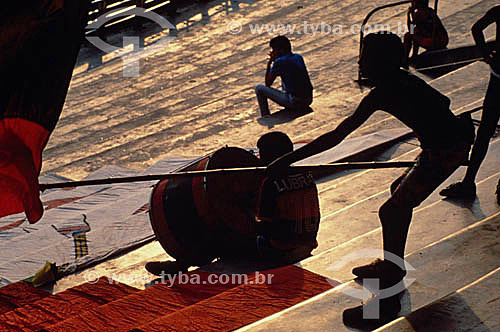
x=288, y=207
x=426, y=29
x=295, y=81
x=284, y=234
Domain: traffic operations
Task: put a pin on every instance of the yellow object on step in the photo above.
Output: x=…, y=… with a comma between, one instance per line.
x=46, y=275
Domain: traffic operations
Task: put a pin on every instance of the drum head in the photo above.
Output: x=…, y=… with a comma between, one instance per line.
x=177, y=225
x=195, y=218
x=233, y=197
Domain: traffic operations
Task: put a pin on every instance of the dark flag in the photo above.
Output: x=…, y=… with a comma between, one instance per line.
x=39, y=44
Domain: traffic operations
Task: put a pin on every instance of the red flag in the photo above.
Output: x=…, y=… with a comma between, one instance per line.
x=39, y=43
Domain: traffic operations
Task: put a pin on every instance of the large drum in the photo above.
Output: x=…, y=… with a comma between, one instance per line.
x=194, y=219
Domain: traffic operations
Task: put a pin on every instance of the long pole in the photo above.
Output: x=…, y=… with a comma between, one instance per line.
x=228, y=171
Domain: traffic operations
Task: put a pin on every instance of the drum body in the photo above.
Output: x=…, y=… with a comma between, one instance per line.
x=196, y=219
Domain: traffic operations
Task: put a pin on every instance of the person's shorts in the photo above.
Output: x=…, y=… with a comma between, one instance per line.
x=432, y=168
x=430, y=43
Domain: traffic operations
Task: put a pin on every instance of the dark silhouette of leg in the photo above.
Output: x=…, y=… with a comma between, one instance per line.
x=395, y=220
x=489, y=120
x=407, y=43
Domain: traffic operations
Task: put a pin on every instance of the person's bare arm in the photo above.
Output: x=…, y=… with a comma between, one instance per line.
x=270, y=77
x=492, y=16
x=409, y=19
x=437, y=27
x=327, y=141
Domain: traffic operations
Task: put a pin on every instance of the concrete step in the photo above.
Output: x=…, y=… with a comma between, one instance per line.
x=196, y=96
x=442, y=267
x=429, y=224
x=39, y=314
x=143, y=306
x=131, y=111
x=350, y=221
x=446, y=239
x=474, y=307
x=464, y=93
x=357, y=194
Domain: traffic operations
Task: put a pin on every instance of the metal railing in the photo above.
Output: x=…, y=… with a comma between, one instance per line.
x=101, y=7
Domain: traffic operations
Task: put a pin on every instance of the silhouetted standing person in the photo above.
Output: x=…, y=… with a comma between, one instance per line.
x=295, y=81
x=445, y=140
x=491, y=110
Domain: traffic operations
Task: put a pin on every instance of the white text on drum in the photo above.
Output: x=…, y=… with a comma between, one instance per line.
x=294, y=182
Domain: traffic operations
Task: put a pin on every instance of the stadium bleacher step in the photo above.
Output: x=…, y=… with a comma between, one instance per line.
x=143, y=306
x=200, y=85
x=442, y=267
x=434, y=220
x=429, y=224
x=17, y=294
x=461, y=78
x=351, y=219
x=195, y=74
x=244, y=304
x=188, y=305
x=35, y=315
x=474, y=307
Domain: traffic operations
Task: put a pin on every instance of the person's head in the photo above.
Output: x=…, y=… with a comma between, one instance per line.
x=281, y=45
x=382, y=55
x=420, y=4
x=273, y=145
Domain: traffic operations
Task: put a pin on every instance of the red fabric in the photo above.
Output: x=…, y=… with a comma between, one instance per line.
x=245, y=304
x=18, y=294
x=40, y=42
x=142, y=307
x=21, y=145
x=36, y=315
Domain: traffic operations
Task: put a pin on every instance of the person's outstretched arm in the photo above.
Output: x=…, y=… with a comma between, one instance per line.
x=328, y=140
x=492, y=16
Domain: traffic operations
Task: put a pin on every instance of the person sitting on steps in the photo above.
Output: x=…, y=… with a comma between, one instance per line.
x=295, y=81
x=426, y=30
x=288, y=212
x=285, y=235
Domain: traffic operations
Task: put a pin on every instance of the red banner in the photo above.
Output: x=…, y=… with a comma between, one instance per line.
x=40, y=41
